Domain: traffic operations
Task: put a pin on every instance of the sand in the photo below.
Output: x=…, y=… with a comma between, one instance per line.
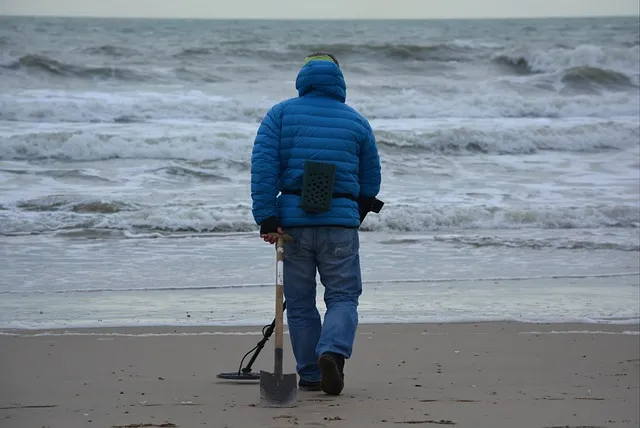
x=490, y=375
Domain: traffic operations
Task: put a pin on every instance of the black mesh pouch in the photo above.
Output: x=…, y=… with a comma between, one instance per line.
x=317, y=186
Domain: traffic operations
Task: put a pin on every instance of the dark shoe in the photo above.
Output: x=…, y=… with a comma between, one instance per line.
x=331, y=367
x=304, y=385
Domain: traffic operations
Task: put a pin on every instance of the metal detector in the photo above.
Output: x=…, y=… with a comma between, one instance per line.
x=244, y=374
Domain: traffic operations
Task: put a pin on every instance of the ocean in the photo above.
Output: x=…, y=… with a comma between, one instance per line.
x=510, y=153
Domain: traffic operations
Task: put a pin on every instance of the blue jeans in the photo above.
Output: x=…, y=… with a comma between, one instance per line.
x=334, y=253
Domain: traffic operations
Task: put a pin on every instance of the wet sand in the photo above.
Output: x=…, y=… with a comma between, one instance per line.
x=493, y=375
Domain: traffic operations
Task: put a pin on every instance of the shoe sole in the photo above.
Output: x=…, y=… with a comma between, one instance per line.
x=332, y=382
x=310, y=388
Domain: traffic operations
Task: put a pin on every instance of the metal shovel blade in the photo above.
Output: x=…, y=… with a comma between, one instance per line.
x=278, y=390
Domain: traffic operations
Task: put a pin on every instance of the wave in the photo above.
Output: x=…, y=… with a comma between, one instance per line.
x=193, y=172
x=54, y=106
x=411, y=218
x=584, y=76
x=207, y=148
x=53, y=214
x=581, y=66
x=111, y=51
x=455, y=50
x=186, y=74
x=41, y=63
x=374, y=281
x=127, y=107
x=167, y=220
x=526, y=137
x=195, y=52
x=536, y=243
x=190, y=63
x=63, y=203
x=231, y=150
x=213, y=152
x=58, y=173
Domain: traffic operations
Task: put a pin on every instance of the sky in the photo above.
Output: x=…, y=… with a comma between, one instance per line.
x=321, y=9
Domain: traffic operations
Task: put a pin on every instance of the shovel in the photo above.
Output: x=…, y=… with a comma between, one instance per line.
x=278, y=389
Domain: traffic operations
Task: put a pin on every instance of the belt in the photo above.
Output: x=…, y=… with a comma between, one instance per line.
x=335, y=195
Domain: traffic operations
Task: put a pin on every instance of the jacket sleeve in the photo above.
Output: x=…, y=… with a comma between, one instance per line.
x=370, y=168
x=265, y=167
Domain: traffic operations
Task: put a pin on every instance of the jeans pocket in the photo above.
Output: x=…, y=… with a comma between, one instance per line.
x=292, y=247
x=342, y=242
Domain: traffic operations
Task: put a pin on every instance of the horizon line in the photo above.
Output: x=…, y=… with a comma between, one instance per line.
x=195, y=18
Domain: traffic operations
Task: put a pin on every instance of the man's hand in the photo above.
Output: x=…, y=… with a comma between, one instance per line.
x=268, y=226
x=271, y=239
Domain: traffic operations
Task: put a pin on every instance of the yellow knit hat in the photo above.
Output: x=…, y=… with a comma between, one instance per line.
x=321, y=56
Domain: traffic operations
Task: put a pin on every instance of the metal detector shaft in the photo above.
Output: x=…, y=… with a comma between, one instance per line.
x=267, y=334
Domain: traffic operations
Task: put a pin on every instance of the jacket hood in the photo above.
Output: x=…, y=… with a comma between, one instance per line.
x=322, y=77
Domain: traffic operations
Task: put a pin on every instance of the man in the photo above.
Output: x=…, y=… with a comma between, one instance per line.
x=317, y=126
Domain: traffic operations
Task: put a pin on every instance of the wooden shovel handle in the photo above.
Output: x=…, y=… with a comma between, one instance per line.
x=278, y=352
x=279, y=291
x=285, y=237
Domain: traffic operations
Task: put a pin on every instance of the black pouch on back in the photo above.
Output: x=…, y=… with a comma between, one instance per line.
x=317, y=186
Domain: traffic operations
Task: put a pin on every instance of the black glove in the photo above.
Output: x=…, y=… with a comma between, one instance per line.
x=366, y=205
x=269, y=225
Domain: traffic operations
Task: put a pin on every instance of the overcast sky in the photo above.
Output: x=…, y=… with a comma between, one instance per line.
x=341, y=9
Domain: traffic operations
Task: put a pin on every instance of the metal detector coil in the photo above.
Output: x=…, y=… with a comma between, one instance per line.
x=246, y=373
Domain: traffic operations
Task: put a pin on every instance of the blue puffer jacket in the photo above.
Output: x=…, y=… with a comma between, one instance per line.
x=317, y=125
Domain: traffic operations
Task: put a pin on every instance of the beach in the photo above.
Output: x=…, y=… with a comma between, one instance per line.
x=475, y=375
